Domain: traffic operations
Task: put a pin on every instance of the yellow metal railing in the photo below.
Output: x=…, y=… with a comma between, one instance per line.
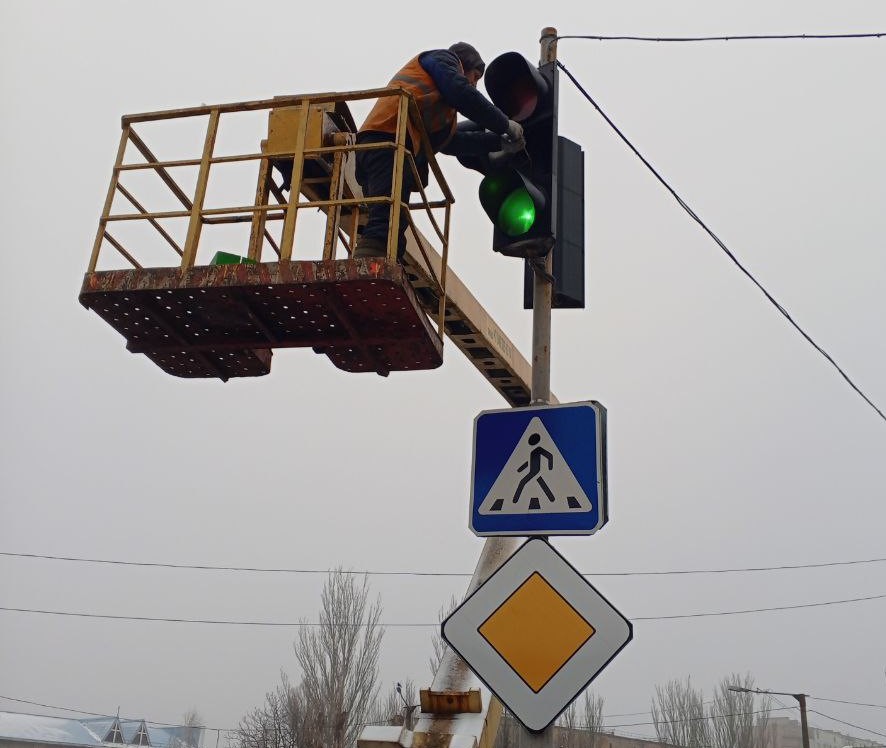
x=314, y=135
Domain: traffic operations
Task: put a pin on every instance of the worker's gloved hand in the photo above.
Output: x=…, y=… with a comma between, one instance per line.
x=511, y=146
x=515, y=133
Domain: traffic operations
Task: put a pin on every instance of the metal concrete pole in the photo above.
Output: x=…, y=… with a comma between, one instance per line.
x=801, y=699
x=542, y=301
x=542, y=288
x=452, y=674
x=804, y=726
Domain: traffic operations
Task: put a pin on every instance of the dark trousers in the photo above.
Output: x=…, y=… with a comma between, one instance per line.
x=374, y=172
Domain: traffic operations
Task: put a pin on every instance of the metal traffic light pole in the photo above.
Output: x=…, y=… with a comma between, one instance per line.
x=436, y=721
x=542, y=303
x=543, y=288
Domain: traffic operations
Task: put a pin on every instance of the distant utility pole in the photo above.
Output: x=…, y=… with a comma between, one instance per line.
x=800, y=697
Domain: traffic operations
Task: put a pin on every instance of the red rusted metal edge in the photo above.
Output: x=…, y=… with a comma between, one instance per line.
x=221, y=320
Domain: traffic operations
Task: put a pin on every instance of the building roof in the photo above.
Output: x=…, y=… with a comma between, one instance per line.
x=95, y=732
x=36, y=729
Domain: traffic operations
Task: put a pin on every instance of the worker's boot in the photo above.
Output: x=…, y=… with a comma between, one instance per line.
x=368, y=246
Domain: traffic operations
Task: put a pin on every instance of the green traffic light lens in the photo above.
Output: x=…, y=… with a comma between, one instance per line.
x=517, y=213
x=491, y=187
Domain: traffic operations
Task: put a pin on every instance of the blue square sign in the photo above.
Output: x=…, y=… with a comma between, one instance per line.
x=539, y=470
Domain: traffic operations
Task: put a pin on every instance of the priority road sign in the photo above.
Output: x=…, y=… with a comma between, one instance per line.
x=536, y=633
x=539, y=470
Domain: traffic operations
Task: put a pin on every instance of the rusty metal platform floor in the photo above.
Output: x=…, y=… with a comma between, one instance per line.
x=223, y=320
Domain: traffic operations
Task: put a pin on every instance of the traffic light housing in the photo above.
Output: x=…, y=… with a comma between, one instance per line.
x=520, y=197
x=568, y=255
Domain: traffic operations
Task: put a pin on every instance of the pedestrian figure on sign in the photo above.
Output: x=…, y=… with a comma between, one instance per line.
x=534, y=465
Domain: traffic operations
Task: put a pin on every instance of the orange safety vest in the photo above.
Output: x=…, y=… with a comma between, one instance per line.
x=438, y=117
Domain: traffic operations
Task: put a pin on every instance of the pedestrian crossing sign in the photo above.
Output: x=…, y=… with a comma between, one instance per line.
x=539, y=470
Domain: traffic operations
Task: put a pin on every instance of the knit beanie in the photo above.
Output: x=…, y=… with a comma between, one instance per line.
x=470, y=57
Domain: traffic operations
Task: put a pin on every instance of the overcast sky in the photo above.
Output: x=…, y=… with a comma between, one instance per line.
x=732, y=443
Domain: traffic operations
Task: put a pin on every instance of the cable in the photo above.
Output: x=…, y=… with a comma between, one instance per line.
x=732, y=571
x=736, y=38
x=305, y=624
x=634, y=714
x=604, y=726
x=757, y=610
x=836, y=701
x=208, y=567
x=777, y=700
x=157, y=619
x=850, y=724
x=647, y=736
x=131, y=719
x=793, y=706
x=50, y=706
x=98, y=714
x=625, y=714
x=699, y=719
x=854, y=703
x=227, y=729
x=723, y=246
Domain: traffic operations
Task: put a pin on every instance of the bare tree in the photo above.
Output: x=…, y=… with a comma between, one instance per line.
x=396, y=708
x=437, y=639
x=510, y=731
x=577, y=727
x=592, y=718
x=191, y=731
x=337, y=692
x=280, y=722
x=734, y=719
x=580, y=724
x=568, y=722
x=738, y=719
x=679, y=715
x=339, y=662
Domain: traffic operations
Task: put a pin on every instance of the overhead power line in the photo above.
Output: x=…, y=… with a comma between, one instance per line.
x=850, y=724
x=757, y=610
x=730, y=38
x=50, y=706
x=646, y=711
x=701, y=718
x=853, y=703
x=99, y=714
x=282, y=570
x=223, y=729
x=742, y=714
x=397, y=624
x=719, y=242
x=607, y=726
x=227, y=729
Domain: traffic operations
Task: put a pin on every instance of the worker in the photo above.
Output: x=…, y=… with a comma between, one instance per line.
x=444, y=84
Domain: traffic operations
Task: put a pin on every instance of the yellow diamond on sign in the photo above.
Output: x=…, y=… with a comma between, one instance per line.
x=526, y=632
x=536, y=631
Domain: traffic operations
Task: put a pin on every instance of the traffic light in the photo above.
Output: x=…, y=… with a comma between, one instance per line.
x=568, y=255
x=520, y=197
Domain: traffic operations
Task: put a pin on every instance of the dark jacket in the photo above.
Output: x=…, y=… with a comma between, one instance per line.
x=445, y=69
x=456, y=94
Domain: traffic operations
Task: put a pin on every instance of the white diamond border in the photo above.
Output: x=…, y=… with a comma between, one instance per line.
x=611, y=633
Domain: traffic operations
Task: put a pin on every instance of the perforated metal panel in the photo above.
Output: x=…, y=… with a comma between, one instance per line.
x=221, y=321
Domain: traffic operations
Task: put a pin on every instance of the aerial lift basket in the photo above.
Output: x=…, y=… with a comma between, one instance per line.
x=223, y=318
